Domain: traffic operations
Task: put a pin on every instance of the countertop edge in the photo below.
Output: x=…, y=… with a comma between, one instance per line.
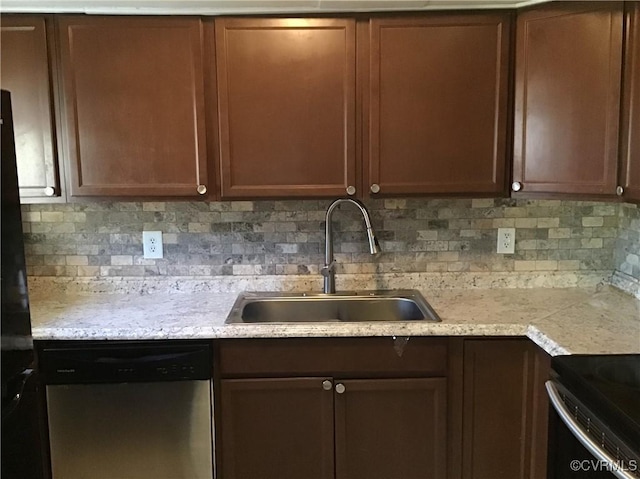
x=295, y=331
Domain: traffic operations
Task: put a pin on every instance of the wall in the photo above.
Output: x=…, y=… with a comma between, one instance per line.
x=103, y=239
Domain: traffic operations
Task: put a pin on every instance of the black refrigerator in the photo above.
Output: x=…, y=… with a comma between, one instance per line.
x=21, y=425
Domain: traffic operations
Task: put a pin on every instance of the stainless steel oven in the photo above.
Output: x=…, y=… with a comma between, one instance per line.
x=129, y=410
x=594, y=426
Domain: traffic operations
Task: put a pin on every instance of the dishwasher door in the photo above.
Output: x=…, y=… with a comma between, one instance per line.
x=137, y=430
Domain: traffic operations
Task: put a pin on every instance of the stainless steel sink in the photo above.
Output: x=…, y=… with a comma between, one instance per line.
x=356, y=306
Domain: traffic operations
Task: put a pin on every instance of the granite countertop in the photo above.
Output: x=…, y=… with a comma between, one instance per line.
x=600, y=320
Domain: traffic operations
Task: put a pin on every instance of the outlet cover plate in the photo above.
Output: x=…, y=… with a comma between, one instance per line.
x=506, y=240
x=152, y=244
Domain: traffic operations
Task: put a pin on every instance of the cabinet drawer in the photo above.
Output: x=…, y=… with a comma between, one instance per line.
x=334, y=356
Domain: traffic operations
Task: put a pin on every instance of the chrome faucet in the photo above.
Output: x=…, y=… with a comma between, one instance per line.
x=328, y=271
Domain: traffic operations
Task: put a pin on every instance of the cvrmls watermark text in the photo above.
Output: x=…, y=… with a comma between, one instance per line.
x=595, y=465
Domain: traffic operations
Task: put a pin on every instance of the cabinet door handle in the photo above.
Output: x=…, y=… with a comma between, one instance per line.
x=516, y=186
x=619, y=191
x=327, y=385
x=351, y=190
x=49, y=191
x=201, y=189
x=375, y=188
x=340, y=388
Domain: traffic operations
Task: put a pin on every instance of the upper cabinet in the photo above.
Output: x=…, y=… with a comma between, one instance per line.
x=630, y=144
x=230, y=108
x=567, y=105
x=286, y=104
x=26, y=75
x=438, y=110
x=134, y=106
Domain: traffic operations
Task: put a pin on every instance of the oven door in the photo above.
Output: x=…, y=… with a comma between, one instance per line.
x=582, y=447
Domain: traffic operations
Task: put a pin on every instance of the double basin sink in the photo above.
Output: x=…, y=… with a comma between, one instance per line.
x=355, y=306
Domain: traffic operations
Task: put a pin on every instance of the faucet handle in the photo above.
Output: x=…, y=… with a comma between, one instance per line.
x=328, y=268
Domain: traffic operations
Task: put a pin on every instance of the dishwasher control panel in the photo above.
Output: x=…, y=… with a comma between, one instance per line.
x=126, y=361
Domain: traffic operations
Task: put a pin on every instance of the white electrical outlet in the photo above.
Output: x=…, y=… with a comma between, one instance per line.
x=152, y=244
x=506, y=240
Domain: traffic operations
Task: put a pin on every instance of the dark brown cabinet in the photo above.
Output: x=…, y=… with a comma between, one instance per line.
x=567, y=104
x=436, y=105
x=286, y=97
x=278, y=428
x=391, y=428
x=284, y=428
x=379, y=409
x=133, y=106
x=324, y=107
x=439, y=87
x=505, y=409
x=630, y=144
x=26, y=74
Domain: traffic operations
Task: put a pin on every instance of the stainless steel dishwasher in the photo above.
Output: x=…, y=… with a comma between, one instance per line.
x=129, y=410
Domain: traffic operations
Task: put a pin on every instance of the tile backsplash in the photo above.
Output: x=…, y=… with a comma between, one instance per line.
x=247, y=238
x=627, y=252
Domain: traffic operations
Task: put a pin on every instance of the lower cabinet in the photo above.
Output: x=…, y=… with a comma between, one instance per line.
x=505, y=409
x=323, y=428
x=383, y=408
x=277, y=428
x=345, y=408
x=391, y=428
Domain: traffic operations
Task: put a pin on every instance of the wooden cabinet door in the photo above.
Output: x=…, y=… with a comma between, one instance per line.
x=276, y=429
x=134, y=105
x=286, y=96
x=391, y=428
x=438, y=104
x=26, y=75
x=568, y=67
x=504, y=410
x=630, y=144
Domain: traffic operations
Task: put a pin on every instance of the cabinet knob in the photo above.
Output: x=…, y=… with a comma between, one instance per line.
x=49, y=191
x=340, y=388
x=516, y=186
x=201, y=189
x=375, y=188
x=327, y=385
x=351, y=190
x=619, y=191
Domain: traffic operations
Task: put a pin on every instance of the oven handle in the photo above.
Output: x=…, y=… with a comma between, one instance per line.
x=580, y=434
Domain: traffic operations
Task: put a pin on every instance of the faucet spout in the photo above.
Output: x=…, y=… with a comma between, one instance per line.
x=328, y=271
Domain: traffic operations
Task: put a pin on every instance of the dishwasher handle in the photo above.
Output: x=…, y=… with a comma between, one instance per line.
x=153, y=358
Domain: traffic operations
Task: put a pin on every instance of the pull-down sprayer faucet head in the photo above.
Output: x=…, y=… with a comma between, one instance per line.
x=374, y=245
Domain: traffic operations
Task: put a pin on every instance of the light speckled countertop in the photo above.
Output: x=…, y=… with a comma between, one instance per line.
x=591, y=320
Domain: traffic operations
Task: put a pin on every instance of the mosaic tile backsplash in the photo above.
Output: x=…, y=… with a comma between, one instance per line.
x=104, y=239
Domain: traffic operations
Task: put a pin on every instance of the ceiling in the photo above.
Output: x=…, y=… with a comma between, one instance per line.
x=223, y=7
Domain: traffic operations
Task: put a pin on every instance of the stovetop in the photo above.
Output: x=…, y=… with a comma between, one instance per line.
x=609, y=385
